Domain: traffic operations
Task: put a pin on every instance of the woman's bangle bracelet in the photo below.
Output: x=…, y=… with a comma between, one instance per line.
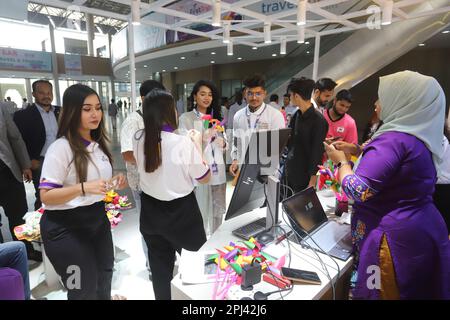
x=343, y=163
x=359, y=149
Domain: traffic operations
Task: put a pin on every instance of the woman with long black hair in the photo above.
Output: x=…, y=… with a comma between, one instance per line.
x=168, y=164
x=211, y=197
x=76, y=174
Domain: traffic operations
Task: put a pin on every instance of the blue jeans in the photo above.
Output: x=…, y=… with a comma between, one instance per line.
x=14, y=255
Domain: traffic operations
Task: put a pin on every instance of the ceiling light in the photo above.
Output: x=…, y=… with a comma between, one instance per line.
x=283, y=46
x=307, y=42
x=176, y=68
x=301, y=34
x=230, y=48
x=164, y=70
x=239, y=58
x=267, y=36
x=145, y=66
x=182, y=58
x=212, y=61
x=421, y=44
x=255, y=48
x=216, y=13
x=213, y=52
x=386, y=18
x=307, y=52
x=301, y=13
x=226, y=32
x=274, y=54
x=446, y=31
x=135, y=12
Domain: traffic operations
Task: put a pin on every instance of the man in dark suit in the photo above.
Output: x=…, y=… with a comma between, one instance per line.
x=38, y=125
x=14, y=169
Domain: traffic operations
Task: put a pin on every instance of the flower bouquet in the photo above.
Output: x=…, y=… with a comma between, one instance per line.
x=329, y=178
x=30, y=230
x=113, y=204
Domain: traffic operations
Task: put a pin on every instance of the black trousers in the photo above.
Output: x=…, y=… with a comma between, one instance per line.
x=36, y=180
x=13, y=199
x=80, y=240
x=442, y=201
x=169, y=226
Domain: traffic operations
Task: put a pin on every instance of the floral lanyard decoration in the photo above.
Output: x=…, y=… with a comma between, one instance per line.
x=247, y=113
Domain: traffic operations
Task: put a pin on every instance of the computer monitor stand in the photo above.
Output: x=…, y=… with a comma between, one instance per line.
x=272, y=200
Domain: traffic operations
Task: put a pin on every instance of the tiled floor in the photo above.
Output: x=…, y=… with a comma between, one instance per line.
x=130, y=277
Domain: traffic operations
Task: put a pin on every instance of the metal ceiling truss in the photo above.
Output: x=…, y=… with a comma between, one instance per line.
x=245, y=32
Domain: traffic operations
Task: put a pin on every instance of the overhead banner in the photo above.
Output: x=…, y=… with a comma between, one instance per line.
x=148, y=37
x=119, y=45
x=196, y=9
x=25, y=60
x=72, y=63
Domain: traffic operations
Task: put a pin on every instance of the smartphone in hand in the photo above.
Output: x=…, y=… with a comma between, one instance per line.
x=332, y=139
x=301, y=276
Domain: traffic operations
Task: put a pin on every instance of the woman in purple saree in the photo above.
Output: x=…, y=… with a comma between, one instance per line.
x=402, y=248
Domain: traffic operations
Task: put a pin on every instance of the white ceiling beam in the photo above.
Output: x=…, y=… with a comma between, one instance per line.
x=326, y=14
x=97, y=12
x=430, y=12
x=247, y=12
x=185, y=30
x=398, y=12
x=394, y=20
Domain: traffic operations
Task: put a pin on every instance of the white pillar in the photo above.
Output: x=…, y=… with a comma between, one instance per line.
x=90, y=34
x=132, y=65
x=29, y=90
x=316, y=58
x=54, y=64
x=112, y=89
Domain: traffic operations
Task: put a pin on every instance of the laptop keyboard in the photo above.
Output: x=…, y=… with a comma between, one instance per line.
x=329, y=235
x=251, y=230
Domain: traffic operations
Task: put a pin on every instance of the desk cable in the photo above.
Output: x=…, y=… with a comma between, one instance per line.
x=333, y=284
x=314, y=250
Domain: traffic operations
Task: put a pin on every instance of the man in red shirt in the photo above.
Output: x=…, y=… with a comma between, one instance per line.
x=341, y=126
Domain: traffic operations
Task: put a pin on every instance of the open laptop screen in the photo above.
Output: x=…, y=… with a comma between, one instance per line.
x=305, y=209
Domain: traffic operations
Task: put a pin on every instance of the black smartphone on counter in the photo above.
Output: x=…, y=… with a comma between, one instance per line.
x=302, y=276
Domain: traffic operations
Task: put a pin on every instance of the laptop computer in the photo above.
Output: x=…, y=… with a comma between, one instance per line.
x=309, y=221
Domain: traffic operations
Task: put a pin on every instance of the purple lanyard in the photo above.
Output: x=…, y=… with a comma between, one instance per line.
x=247, y=113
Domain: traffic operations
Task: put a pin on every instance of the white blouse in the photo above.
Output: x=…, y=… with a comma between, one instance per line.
x=59, y=171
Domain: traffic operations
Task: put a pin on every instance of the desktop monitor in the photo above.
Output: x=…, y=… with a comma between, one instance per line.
x=261, y=161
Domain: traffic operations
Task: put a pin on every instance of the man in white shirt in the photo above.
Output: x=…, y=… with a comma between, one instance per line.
x=255, y=116
x=130, y=126
x=288, y=107
x=180, y=106
x=239, y=103
x=274, y=101
x=323, y=93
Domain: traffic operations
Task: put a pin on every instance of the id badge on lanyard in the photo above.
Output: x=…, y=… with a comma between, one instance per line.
x=214, y=166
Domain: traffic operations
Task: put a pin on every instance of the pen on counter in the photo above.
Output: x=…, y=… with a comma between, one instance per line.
x=283, y=236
